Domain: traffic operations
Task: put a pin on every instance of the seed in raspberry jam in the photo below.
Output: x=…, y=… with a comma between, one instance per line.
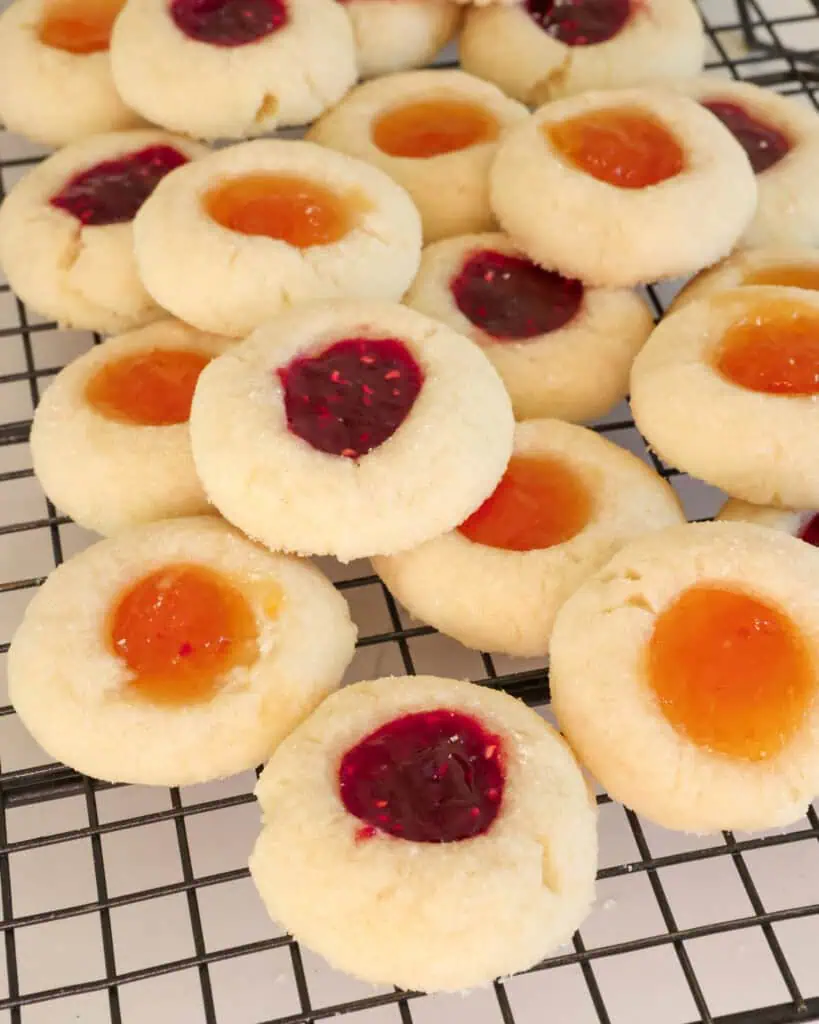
x=764, y=144
x=580, y=22
x=229, y=22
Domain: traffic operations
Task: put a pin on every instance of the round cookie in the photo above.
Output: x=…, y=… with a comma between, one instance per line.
x=542, y=50
x=725, y=389
x=260, y=227
x=229, y=68
x=66, y=229
x=110, y=442
x=396, y=35
x=176, y=653
x=780, y=267
x=561, y=349
x=684, y=676
x=425, y=809
x=801, y=524
x=568, y=500
x=359, y=429
x=605, y=187
x=434, y=132
x=781, y=138
x=55, y=72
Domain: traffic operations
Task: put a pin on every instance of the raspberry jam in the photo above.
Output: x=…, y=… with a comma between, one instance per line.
x=430, y=777
x=147, y=389
x=288, y=208
x=731, y=672
x=112, y=192
x=774, y=350
x=511, y=298
x=764, y=144
x=625, y=148
x=229, y=22
x=353, y=396
x=433, y=127
x=539, y=502
x=79, y=26
x=179, y=630
x=810, y=531
x=786, y=276
x=580, y=22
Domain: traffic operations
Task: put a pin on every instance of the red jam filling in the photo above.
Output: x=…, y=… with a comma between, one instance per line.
x=180, y=629
x=810, y=531
x=148, y=389
x=353, y=396
x=112, y=192
x=79, y=26
x=731, y=672
x=229, y=22
x=511, y=298
x=764, y=144
x=430, y=777
x=580, y=22
x=433, y=127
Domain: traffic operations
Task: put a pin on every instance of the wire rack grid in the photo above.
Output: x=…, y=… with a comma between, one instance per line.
x=122, y=904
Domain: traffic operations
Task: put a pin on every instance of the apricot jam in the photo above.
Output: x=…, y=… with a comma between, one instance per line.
x=228, y=22
x=291, y=209
x=774, y=350
x=79, y=26
x=764, y=144
x=731, y=672
x=147, y=389
x=786, y=276
x=580, y=22
x=180, y=630
x=539, y=502
x=433, y=127
x=626, y=148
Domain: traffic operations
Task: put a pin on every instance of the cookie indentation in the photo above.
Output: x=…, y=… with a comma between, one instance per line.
x=149, y=389
x=229, y=22
x=433, y=127
x=580, y=22
x=79, y=26
x=764, y=144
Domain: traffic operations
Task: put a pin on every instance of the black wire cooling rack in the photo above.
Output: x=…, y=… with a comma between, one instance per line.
x=669, y=967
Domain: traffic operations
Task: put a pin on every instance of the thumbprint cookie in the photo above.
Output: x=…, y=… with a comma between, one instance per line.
x=434, y=132
x=269, y=224
x=397, y=35
x=605, y=187
x=426, y=833
x=175, y=653
x=685, y=676
x=798, y=523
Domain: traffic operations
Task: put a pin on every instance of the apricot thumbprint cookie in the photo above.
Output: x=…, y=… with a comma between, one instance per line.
x=56, y=84
x=232, y=68
x=685, y=676
x=269, y=224
x=110, y=441
x=798, y=523
x=175, y=653
x=781, y=138
x=567, y=501
x=562, y=349
x=434, y=132
x=606, y=186
x=539, y=50
x=397, y=35
x=350, y=429
x=726, y=389
x=441, y=834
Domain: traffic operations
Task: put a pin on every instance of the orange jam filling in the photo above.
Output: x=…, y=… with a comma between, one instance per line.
x=79, y=26
x=148, y=389
x=774, y=350
x=786, y=276
x=731, y=671
x=179, y=630
x=433, y=127
x=282, y=206
x=626, y=148
x=539, y=502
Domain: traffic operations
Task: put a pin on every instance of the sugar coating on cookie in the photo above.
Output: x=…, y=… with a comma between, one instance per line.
x=175, y=653
x=66, y=228
x=434, y=132
x=358, y=429
x=270, y=224
x=567, y=501
x=55, y=71
x=562, y=350
x=110, y=442
x=426, y=808
x=800, y=523
x=781, y=137
x=685, y=677
x=397, y=35
x=741, y=367
x=229, y=68
x=605, y=187
x=541, y=50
